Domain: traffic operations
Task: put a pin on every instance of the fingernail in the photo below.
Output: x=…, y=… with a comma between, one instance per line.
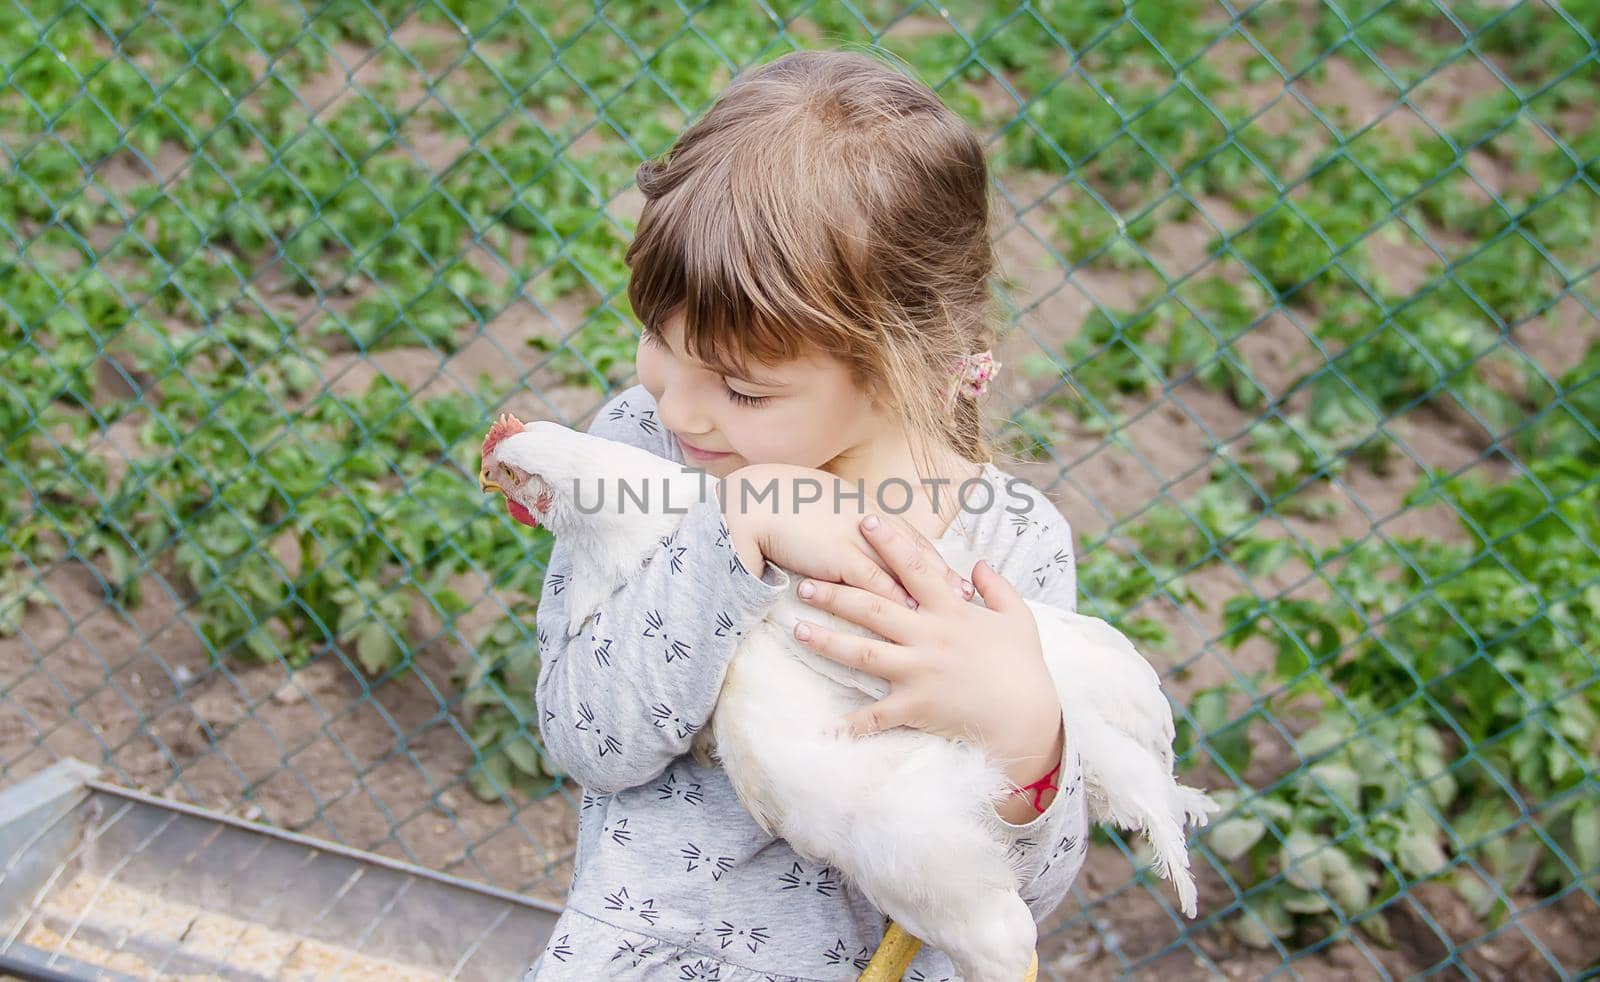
x=911, y=602
x=966, y=589
x=961, y=590
x=807, y=589
x=871, y=523
x=803, y=631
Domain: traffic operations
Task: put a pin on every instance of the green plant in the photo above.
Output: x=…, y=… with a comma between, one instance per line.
x=497, y=685
x=1428, y=648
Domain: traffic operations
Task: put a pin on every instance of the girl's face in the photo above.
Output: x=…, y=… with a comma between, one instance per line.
x=806, y=412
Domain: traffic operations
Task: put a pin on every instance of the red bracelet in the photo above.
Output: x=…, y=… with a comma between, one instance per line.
x=1040, y=786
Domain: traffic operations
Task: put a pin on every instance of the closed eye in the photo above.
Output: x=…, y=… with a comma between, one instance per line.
x=652, y=337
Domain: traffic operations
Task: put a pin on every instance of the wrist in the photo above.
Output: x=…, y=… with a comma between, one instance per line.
x=745, y=527
x=1035, y=778
x=1038, y=756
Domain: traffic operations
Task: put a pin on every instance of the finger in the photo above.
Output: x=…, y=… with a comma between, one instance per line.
x=924, y=574
x=997, y=592
x=883, y=659
x=862, y=572
x=888, y=618
x=962, y=588
x=886, y=714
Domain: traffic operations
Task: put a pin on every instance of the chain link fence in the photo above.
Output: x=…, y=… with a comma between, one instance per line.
x=1304, y=340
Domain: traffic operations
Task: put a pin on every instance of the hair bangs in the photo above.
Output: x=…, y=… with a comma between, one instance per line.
x=704, y=251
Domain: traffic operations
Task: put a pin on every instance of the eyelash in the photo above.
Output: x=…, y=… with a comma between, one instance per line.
x=744, y=400
x=649, y=336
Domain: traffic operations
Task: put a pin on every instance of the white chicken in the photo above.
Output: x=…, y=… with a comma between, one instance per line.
x=908, y=816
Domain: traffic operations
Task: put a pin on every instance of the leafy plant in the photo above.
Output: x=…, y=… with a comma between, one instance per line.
x=497, y=685
x=1426, y=649
x=1342, y=832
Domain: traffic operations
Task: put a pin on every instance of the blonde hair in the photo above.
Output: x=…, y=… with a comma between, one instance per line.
x=828, y=203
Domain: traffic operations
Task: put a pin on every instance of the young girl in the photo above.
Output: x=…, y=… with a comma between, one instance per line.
x=812, y=269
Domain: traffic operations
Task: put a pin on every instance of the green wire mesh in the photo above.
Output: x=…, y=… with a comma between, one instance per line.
x=1303, y=337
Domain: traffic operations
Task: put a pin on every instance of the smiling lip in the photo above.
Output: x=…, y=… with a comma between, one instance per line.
x=695, y=451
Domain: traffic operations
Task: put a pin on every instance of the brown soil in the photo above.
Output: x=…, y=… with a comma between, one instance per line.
x=374, y=764
x=1115, y=925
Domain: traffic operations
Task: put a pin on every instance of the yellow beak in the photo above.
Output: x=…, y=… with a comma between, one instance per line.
x=488, y=486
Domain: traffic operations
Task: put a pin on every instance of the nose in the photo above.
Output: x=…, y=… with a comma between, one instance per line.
x=678, y=408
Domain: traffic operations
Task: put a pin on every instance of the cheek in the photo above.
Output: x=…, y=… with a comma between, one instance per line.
x=792, y=435
x=648, y=362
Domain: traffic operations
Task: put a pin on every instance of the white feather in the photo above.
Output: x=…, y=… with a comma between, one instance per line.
x=1121, y=725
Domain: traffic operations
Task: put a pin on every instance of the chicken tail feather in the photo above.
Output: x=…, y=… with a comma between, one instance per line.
x=1136, y=793
x=1197, y=806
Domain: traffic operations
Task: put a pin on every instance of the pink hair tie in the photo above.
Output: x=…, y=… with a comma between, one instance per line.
x=975, y=372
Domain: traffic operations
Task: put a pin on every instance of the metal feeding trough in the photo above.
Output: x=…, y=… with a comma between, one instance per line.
x=99, y=882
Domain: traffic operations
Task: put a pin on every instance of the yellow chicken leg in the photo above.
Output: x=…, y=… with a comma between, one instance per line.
x=897, y=949
x=893, y=957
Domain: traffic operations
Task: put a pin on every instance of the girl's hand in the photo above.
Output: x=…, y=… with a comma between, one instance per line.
x=820, y=539
x=954, y=668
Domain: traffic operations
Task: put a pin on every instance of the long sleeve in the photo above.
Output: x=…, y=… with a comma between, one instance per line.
x=1053, y=845
x=622, y=698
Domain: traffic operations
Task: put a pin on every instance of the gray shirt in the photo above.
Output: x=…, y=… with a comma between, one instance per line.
x=672, y=878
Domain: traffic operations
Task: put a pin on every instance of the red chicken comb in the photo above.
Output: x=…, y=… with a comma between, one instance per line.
x=503, y=427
